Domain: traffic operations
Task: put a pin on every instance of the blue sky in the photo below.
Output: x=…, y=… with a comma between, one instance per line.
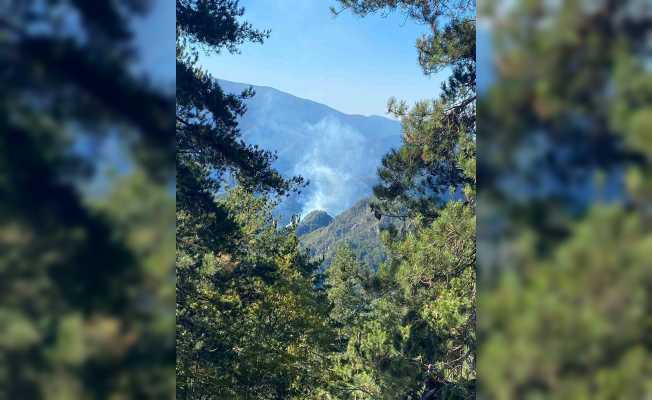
x=350, y=63
x=155, y=38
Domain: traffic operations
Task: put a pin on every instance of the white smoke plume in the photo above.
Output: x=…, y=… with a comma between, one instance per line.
x=336, y=160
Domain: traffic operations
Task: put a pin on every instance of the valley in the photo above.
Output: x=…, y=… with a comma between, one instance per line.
x=337, y=153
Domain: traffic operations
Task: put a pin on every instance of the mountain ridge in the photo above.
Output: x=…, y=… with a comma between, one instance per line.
x=224, y=83
x=337, y=153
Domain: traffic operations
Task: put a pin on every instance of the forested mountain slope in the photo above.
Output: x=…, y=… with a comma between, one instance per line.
x=312, y=221
x=356, y=227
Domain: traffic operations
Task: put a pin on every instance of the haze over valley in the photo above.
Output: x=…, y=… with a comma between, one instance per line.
x=337, y=152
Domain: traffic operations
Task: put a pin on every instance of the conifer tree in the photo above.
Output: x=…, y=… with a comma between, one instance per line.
x=418, y=338
x=250, y=321
x=76, y=270
x=438, y=134
x=565, y=295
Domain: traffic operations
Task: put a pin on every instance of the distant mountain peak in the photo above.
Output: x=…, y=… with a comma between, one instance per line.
x=356, y=227
x=314, y=220
x=316, y=213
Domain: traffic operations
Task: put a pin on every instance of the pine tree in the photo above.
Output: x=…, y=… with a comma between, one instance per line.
x=254, y=325
x=565, y=293
x=74, y=275
x=438, y=135
x=250, y=321
x=418, y=338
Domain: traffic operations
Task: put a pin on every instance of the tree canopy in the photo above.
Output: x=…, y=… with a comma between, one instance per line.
x=81, y=315
x=255, y=318
x=250, y=320
x=409, y=327
x=564, y=177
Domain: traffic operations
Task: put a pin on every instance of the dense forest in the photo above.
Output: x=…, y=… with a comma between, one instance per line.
x=393, y=298
x=256, y=316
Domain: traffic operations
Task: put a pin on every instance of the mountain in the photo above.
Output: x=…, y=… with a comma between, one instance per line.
x=338, y=153
x=357, y=227
x=313, y=221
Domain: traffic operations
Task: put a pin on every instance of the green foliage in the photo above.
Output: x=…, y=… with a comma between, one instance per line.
x=410, y=327
x=437, y=276
x=61, y=337
x=249, y=321
x=349, y=289
x=564, y=303
x=356, y=228
x=415, y=337
x=81, y=313
x=576, y=325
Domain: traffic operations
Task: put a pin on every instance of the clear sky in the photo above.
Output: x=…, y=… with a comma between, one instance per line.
x=155, y=37
x=350, y=63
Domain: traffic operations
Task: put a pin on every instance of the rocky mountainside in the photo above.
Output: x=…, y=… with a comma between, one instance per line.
x=357, y=227
x=312, y=221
